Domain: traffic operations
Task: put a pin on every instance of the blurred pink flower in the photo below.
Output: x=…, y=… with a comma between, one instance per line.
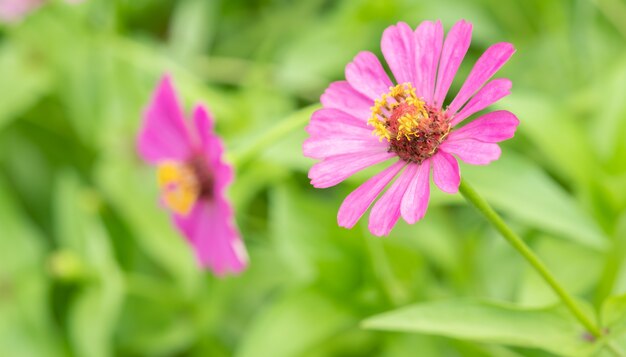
x=410, y=124
x=15, y=10
x=193, y=179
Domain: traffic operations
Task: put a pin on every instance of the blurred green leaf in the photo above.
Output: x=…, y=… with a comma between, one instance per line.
x=608, y=129
x=153, y=61
x=613, y=319
x=498, y=267
x=26, y=326
x=613, y=279
x=562, y=142
x=297, y=240
x=613, y=308
x=277, y=331
x=613, y=314
x=251, y=181
x=24, y=81
x=193, y=27
x=120, y=179
x=94, y=313
x=551, y=329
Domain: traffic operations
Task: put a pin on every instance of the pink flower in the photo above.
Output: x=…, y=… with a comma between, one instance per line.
x=15, y=10
x=193, y=179
x=368, y=120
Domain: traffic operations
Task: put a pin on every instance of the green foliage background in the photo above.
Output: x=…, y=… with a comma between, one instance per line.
x=90, y=266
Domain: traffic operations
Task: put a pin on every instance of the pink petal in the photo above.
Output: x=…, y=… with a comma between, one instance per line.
x=367, y=76
x=335, y=169
x=203, y=124
x=338, y=131
x=340, y=95
x=187, y=224
x=487, y=95
x=360, y=199
x=428, y=38
x=15, y=10
x=212, y=148
x=486, y=66
x=415, y=200
x=210, y=229
x=386, y=211
x=446, y=172
x=164, y=135
x=321, y=148
x=490, y=128
x=328, y=122
x=454, y=49
x=398, y=47
x=472, y=151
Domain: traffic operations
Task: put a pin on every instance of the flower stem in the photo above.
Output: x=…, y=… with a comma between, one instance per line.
x=498, y=223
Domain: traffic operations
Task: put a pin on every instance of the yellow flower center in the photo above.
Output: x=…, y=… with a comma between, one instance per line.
x=398, y=113
x=413, y=129
x=179, y=186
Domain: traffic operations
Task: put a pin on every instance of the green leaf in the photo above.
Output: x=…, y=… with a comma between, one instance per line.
x=256, y=176
x=498, y=267
x=94, y=312
x=128, y=189
x=192, y=27
x=607, y=132
x=613, y=319
x=150, y=60
x=277, y=331
x=287, y=222
x=551, y=329
x=24, y=81
x=26, y=326
x=613, y=313
x=551, y=129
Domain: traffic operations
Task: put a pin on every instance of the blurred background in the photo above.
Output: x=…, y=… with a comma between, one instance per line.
x=90, y=265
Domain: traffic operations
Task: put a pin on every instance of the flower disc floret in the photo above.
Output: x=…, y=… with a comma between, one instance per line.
x=182, y=184
x=413, y=129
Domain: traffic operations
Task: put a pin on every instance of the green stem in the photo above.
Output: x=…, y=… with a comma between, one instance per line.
x=475, y=199
x=296, y=120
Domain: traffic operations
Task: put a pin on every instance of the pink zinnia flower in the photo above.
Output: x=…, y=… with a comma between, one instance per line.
x=193, y=179
x=368, y=119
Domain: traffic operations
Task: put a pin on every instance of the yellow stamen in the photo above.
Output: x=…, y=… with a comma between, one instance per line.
x=412, y=113
x=406, y=126
x=179, y=186
x=380, y=128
